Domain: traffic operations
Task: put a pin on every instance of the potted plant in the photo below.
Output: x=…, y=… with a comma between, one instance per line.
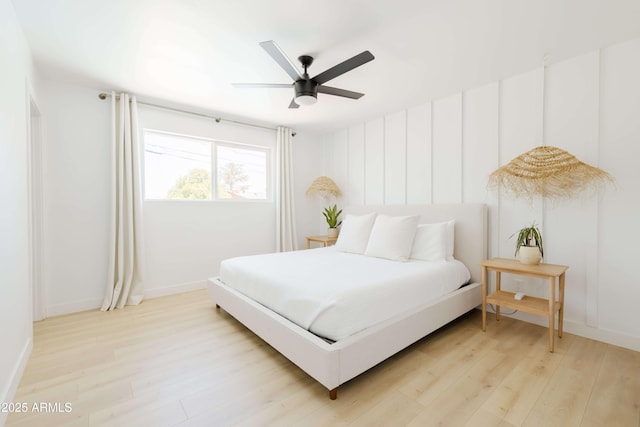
x=332, y=215
x=529, y=245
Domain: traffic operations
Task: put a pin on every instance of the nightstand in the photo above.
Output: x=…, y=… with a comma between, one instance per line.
x=539, y=306
x=325, y=240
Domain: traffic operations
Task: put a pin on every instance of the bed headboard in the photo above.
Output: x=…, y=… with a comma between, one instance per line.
x=470, y=229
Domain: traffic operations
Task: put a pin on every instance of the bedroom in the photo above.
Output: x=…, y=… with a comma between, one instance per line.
x=591, y=109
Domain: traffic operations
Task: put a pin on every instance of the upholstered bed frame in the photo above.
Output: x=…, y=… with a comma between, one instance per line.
x=332, y=364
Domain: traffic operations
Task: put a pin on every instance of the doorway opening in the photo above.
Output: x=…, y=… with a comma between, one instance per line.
x=35, y=210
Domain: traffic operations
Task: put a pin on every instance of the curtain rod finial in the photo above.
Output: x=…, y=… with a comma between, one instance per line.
x=102, y=96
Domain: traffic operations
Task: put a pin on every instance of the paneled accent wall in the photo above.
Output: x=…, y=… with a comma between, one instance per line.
x=374, y=164
x=395, y=158
x=446, y=149
x=443, y=152
x=419, y=172
x=618, y=283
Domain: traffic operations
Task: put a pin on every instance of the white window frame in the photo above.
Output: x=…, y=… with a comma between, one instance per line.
x=213, y=143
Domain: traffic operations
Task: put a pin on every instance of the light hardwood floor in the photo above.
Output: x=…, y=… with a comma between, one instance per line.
x=178, y=361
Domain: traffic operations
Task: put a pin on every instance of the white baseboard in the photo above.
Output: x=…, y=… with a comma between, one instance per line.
x=175, y=289
x=73, y=307
x=610, y=337
x=92, y=304
x=13, y=382
x=572, y=327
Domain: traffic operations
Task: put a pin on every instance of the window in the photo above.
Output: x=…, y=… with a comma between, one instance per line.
x=176, y=167
x=241, y=172
x=179, y=167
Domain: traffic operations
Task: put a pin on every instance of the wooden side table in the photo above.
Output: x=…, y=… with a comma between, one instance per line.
x=539, y=306
x=325, y=240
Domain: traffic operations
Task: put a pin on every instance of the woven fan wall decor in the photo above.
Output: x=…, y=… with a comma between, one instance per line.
x=549, y=172
x=324, y=187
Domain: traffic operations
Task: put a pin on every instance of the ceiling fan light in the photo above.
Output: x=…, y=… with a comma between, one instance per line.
x=306, y=100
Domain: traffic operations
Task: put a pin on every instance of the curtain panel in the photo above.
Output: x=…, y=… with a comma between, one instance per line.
x=286, y=239
x=124, y=282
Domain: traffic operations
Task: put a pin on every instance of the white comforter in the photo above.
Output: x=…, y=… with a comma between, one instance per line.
x=335, y=294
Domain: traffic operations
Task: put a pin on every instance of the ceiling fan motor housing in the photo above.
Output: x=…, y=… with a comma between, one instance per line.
x=306, y=87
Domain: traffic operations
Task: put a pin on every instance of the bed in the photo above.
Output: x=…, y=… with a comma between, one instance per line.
x=334, y=362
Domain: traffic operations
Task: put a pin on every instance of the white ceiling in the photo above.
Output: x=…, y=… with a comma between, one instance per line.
x=190, y=51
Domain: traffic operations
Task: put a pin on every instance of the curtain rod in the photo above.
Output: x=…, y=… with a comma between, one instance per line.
x=104, y=95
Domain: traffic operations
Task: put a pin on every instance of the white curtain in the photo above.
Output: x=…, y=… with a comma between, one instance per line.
x=124, y=283
x=285, y=214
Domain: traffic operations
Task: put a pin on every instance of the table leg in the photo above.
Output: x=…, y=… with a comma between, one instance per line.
x=484, y=298
x=552, y=303
x=308, y=244
x=498, y=277
x=561, y=300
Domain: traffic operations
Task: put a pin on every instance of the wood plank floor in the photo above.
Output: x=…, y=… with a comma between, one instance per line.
x=177, y=361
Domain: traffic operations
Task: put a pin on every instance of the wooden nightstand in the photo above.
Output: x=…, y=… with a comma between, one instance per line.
x=539, y=306
x=325, y=240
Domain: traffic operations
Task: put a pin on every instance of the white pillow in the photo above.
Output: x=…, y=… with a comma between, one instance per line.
x=451, y=237
x=430, y=243
x=354, y=233
x=392, y=237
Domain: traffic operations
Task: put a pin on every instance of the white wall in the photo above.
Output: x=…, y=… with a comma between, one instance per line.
x=76, y=190
x=308, y=151
x=184, y=241
x=443, y=151
x=16, y=85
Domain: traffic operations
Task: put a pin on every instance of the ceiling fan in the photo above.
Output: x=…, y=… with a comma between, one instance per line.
x=306, y=89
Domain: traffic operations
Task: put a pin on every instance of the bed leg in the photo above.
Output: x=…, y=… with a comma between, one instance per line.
x=333, y=394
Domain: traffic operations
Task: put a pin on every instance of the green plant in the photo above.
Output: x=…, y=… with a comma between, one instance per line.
x=529, y=236
x=332, y=215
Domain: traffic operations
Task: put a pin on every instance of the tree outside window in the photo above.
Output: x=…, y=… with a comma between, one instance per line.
x=232, y=180
x=196, y=185
x=179, y=167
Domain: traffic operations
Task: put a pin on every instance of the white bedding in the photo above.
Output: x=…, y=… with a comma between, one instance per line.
x=335, y=294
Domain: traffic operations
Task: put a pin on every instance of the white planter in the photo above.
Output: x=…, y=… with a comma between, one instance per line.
x=529, y=255
x=332, y=232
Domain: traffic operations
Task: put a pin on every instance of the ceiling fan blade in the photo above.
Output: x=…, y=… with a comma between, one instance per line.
x=339, y=92
x=262, y=85
x=283, y=60
x=343, y=67
x=293, y=103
